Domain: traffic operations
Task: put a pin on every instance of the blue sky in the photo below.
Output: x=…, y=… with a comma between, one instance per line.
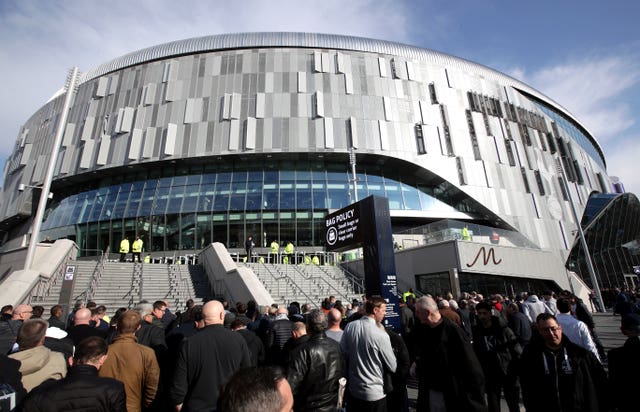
x=583, y=54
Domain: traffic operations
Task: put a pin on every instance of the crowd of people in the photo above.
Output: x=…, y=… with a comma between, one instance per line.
x=465, y=354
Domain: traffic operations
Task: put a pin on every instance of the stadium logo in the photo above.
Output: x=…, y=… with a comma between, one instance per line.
x=485, y=257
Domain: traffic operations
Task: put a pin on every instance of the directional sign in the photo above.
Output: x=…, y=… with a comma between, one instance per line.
x=367, y=223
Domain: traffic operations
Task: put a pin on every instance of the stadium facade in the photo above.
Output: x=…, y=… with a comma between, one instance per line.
x=217, y=138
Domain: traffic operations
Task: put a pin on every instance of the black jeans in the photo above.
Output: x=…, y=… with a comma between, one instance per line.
x=358, y=405
x=494, y=387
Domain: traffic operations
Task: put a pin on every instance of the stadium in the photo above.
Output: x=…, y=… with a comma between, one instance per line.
x=218, y=138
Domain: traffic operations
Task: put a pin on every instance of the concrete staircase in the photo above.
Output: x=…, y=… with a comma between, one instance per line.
x=83, y=274
x=304, y=283
x=125, y=284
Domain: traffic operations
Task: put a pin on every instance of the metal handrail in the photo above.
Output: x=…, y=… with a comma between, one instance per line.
x=277, y=279
x=137, y=266
x=89, y=293
x=337, y=292
x=43, y=287
x=356, y=281
x=293, y=281
x=135, y=281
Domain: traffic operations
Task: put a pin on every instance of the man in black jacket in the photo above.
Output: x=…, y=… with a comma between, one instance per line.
x=82, y=388
x=440, y=345
x=253, y=342
x=519, y=324
x=315, y=368
x=557, y=375
x=498, y=352
x=206, y=362
x=624, y=364
x=55, y=320
x=11, y=386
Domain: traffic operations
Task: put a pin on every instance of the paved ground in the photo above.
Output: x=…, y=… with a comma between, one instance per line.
x=607, y=328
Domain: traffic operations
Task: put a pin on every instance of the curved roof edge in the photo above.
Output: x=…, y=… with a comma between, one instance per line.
x=315, y=40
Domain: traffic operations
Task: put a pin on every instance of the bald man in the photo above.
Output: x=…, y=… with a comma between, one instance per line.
x=82, y=329
x=9, y=328
x=22, y=312
x=206, y=361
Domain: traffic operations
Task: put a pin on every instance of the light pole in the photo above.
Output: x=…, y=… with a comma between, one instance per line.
x=354, y=178
x=583, y=241
x=46, y=185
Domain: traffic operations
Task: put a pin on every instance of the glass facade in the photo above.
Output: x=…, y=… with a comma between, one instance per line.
x=187, y=212
x=609, y=223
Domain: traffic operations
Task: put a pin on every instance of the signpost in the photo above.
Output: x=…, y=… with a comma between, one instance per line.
x=67, y=288
x=367, y=224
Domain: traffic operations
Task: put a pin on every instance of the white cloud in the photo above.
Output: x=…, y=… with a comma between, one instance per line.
x=622, y=161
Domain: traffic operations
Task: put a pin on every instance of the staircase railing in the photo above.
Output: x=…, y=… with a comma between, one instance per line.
x=279, y=279
x=336, y=291
x=89, y=293
x=292, y=280
x=174, y=283
x=136, y=286
x=356, y=281
x=43, y=287
x=184, y=284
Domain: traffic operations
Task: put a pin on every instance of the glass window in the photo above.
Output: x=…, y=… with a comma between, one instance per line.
x=271, y=196
x=107, y=208
x=172, y=231
x=338, y=195
x=254, y=195
x=79, y=207
x=221, y=200
x=85, y=210
x=203, y=230
x=319, y=194
x=394, y=194
x=303, y=194
x=411, y=198
x=121, y=202
x=287, y=195
x=176, y=197
x=188, y=231
x=148, y=195
x=304, y=229
x=161, y=199
x=191, y=195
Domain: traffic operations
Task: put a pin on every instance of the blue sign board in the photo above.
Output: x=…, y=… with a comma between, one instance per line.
x=367, y=223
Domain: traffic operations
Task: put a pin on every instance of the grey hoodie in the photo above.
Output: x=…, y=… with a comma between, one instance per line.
x=533, y=306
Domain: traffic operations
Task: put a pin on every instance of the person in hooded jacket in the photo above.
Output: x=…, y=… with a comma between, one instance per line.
x=559, y=376
x=498, y=351
x=38, y=363
x=533, y=306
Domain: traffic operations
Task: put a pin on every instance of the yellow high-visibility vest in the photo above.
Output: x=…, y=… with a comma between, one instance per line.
x=137, y=246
